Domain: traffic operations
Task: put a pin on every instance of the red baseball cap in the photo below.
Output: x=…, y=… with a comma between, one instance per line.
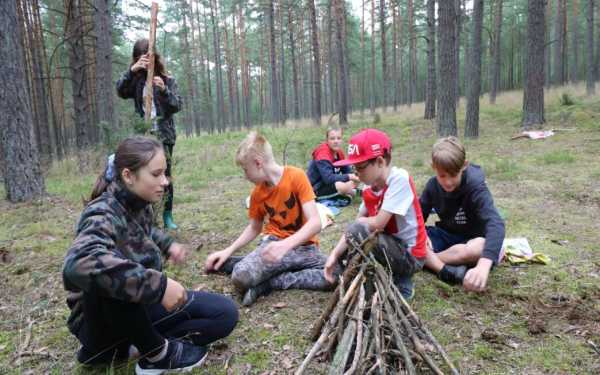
x=365, y=145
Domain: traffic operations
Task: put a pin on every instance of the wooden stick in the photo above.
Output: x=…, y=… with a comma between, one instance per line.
x=331, y=323
x=417, y=321
x=358, y=315
x=408, y=364
x=150, y=70
x=343, y=349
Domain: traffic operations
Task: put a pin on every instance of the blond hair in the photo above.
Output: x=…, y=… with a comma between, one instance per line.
x=254, y=146
x=448, y=155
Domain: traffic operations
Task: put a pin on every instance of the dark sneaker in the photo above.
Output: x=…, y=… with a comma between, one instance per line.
x=227, y=266
x=181, y=357
x=252, y=294
x=452, y=274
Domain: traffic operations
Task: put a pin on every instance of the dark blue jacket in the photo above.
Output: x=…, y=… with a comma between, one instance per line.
x=321, y=171
x=467, y=211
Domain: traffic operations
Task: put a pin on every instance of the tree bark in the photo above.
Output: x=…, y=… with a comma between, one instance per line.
x=104, y=80
x=246, y=103
x=221, y=113
x=316, y=78
x=472, y=118
x=448, y=69
x=373, y=82
x=495, y=71
x=574, y=71
x=192, y=123
x=533, y=95
x=338, y=6
x=430, y=88
x=590, y=81
x=23, y=179
x=294, y=63
x=384, y=72
x=559, y=43
x=412, y=52
x=363, y=59
x=79, y=74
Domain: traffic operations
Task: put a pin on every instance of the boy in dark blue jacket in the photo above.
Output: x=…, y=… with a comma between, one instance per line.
x=470, y=231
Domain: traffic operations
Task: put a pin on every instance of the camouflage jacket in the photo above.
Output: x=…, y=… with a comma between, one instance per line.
x=116, y=253
x=167, y=103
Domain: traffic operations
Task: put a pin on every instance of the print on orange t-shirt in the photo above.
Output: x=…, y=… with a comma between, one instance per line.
x=282, y=204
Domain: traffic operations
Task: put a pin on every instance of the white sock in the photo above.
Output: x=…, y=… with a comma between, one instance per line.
x=162, y=353
x=133, y=352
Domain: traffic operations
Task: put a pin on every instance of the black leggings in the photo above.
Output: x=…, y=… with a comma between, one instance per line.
x=169, y=155
x=111, y=326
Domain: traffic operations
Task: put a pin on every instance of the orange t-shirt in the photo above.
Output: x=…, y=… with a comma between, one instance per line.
x=282, y=204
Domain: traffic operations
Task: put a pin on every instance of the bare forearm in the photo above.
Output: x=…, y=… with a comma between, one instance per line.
x=249, y=234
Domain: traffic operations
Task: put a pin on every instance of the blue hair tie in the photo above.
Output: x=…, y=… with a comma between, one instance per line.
x=109, y=174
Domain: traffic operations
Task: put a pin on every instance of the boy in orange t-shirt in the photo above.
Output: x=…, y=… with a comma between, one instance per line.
x=288, y=255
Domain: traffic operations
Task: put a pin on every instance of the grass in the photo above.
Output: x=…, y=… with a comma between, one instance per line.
x=546, y=189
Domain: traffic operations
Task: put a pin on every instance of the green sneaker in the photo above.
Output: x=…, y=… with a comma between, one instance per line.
x=168, y=220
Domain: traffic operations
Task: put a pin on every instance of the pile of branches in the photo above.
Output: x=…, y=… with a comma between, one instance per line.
x=368, y=327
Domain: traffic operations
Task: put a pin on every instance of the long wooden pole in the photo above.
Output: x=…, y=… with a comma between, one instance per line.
x=150, y=70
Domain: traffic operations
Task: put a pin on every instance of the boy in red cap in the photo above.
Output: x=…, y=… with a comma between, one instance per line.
x=390, y=205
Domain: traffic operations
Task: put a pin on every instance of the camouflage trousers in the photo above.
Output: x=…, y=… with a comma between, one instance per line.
x=300, y=268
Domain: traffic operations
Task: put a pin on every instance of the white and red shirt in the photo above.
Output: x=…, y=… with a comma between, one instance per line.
x=399, y=197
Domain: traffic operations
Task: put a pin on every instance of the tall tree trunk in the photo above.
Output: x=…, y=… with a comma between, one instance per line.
x=57, y=97
x=384, y=72
x=457, y=32
x=533, y=96
x=283, y=90
x=363, y=59
x=330, y=58
x=207, y=87
x=275, y=103
x=548, y=41
x=448, y=69
x=23, y=179
x=221, y=113
x=472, y=118
x=573, y=77
x=412, y=52
x=34, y=60
x=316, y=78
x=559, y=44
x=431, y=88
x=373, y=82
x=230, y=71
x=244, y=69
x=597, y=55
x=79, y=74
x=191, y=115
x=395, y=55
x=104, y=81
x=292, y=40
x=495, y=71
x=195, y=60
x=338, y=6
x=590, y=81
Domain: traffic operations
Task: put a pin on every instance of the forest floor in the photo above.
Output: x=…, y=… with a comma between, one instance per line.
x=534, y=319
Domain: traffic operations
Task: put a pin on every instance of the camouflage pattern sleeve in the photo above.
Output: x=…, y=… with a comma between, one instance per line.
x=161, y=239
x=94, y=264
x=171, y=97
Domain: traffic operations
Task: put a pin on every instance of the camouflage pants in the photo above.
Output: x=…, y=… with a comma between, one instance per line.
x=300, y=268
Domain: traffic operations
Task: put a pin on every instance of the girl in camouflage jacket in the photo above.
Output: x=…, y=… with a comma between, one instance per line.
x=119, y=295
